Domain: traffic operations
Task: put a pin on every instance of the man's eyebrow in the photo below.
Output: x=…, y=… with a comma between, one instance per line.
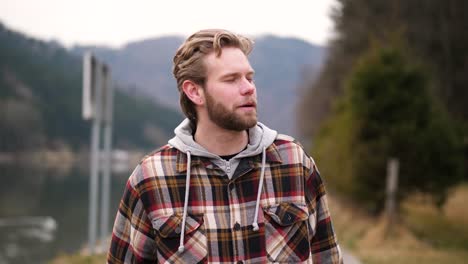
x=233, y=74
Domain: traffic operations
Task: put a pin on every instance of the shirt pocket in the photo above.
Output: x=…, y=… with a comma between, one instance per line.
x=168, y=230
x=286, y=232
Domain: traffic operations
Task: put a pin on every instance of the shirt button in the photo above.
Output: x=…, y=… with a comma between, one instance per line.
x=237, y=226
x=288, y=219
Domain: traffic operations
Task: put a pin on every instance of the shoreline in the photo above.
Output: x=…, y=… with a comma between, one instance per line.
x=65, y=159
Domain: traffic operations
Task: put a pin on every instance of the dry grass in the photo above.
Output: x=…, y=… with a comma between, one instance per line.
x=79, y=259
x=350, y=222
x=425, y=234
x=435, y=226
x=402, y=256
x=83, y=257
x=456, y=208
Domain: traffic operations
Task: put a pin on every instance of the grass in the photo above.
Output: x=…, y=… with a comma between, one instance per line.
x=82, y=257
x=436, y=227
x=79, y=259
x=424, y=234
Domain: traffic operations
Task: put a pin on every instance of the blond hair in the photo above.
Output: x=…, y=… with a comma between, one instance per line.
x=189, y=65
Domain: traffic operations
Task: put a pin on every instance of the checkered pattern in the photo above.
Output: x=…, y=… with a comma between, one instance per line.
x=294, y=223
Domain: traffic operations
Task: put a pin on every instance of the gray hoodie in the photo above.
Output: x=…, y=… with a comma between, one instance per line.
x=260, y=136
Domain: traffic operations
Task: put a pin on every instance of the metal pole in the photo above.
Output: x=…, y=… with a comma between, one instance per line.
x=106, y=179
x=94, y=162
x=392, y=188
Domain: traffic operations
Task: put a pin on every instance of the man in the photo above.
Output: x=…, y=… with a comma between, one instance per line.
x=226, y=189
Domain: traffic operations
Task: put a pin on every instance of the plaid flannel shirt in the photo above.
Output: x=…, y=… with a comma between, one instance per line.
x=294, y=220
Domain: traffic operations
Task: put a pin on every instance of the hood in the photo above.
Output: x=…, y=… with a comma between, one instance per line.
x=260, y=136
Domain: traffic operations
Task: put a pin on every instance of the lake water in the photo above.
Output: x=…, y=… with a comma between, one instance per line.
x=44, y=212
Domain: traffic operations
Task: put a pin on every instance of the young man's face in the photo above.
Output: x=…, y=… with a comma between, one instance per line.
x=230, y=93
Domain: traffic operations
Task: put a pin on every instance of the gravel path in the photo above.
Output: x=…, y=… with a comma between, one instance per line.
x=349, y=259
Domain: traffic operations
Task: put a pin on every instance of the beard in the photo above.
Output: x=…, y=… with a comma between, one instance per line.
x=230, y=120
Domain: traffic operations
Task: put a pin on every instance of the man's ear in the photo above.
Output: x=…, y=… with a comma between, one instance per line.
x=194, y=92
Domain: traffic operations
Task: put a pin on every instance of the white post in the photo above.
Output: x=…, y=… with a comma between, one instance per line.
x=106, y=179
x=97, y=105
x=391, y=192
x=88, y=85
x=94, y=159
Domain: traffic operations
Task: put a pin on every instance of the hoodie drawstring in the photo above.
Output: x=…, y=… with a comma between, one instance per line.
x=187, y=188
x=184, y=214
x=259, y=193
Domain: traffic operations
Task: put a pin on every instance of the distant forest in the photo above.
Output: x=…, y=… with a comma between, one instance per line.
x=40, y=101
x=393, y=85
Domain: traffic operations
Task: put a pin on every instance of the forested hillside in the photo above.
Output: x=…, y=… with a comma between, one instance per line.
x=40, y=101
x=434, y=33
x=394, y=85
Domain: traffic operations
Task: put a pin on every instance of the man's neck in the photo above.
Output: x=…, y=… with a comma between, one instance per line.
x=220, y=141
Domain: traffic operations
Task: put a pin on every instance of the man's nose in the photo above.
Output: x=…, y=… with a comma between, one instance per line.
x=248, y=87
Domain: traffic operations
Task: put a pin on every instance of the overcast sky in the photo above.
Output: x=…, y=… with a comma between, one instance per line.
x=116, y=22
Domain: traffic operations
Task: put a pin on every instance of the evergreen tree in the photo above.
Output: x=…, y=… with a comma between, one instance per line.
x=387, y=111
x=435, y=31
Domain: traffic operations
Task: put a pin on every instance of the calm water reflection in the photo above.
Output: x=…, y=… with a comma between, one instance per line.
x=44, y=212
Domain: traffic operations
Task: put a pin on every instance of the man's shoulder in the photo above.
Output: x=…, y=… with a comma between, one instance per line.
x=283, y=139
x=292, y=150
x=164, y=152
x=159, y=162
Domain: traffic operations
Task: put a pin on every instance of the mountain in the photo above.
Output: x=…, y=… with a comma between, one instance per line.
x=40, y=101
x=281, y=64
